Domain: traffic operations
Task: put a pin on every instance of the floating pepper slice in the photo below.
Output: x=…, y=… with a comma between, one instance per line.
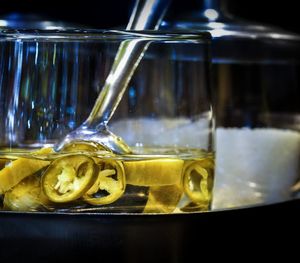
x=163, y=199
x=68, y=178
x=17, y=170
x=86, y=146
x=109, y=186
x=156, y=172
x=25, y=196
x=198, y=180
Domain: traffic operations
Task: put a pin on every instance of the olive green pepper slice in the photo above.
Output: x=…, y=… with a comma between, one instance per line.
x=163, y=199
x=21, y=168
x=156, y=172
x=25, y=196
x=198, y=180
x=109, y=186
x=85, y=146
x=68, y=178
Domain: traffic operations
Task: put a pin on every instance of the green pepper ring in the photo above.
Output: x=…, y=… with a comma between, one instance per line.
x=202, y=170
x=111, y=197
x=85, y=171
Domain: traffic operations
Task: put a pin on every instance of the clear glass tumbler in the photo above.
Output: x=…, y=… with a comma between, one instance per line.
x=49, y=82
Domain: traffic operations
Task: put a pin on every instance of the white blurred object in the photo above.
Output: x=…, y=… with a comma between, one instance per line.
x=255, y=166
x=181, y=132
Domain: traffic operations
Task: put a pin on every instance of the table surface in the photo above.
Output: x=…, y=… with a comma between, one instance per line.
x=45, y=237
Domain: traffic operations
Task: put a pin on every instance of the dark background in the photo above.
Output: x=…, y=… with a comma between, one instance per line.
x=111, y=13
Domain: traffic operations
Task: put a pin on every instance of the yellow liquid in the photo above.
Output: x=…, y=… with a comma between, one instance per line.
x=156, y=180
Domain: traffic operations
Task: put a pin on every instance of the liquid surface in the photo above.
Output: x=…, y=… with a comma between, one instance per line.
x=84, y=178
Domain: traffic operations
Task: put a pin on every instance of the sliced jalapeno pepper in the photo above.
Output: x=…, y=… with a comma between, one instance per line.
x=198, y=180
x=156, y=172
x=84, y=146
x=67, y=178
x=163, y=199
x=25, y=196
x=109, y=186
x=17, y=170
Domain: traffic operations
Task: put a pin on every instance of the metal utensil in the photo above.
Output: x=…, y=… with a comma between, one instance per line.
x=147, y=14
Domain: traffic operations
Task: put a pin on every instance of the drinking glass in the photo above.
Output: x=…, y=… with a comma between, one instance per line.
x=49, y=82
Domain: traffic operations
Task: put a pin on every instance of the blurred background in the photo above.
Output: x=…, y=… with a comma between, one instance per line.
x=114, y=13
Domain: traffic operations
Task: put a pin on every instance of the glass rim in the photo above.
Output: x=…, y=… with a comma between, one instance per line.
x=103, y=34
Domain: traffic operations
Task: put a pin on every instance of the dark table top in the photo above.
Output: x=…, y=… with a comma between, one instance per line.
x=44, y=237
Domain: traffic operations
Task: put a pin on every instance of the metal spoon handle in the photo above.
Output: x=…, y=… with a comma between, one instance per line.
x=147, y=14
